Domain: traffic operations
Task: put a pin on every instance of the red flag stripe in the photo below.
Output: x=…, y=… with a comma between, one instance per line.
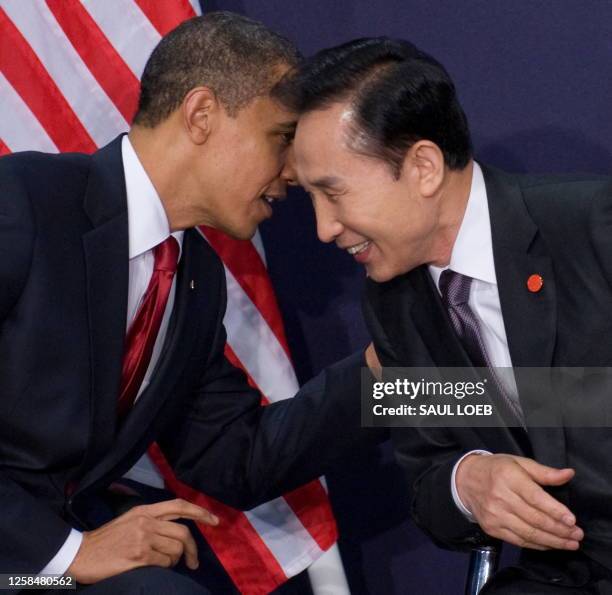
x=308, y=502
x=103, y=61
x=245, y=264
x=166, y=17
x=32, y=82
x=4, y=150
x=254, y=569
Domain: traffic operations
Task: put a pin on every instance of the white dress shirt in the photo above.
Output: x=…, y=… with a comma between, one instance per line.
x=472, y=256
x=147, y=227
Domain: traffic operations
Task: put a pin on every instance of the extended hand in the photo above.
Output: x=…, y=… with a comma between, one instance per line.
x=143, y=536
x=504, y=494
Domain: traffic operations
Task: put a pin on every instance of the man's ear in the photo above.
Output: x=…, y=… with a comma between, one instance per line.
x=199, y=108
x=425, y=161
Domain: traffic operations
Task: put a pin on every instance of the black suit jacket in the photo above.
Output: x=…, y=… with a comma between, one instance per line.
x=63, y=300
x=560, y=228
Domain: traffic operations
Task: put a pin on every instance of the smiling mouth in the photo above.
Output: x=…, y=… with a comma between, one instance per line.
x=358, y=248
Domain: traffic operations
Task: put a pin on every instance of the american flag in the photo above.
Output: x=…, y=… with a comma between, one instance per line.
x=69, y=81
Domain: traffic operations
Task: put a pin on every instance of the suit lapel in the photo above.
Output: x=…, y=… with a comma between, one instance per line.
x=105, y=250
x=530, y=318
x=184, y=331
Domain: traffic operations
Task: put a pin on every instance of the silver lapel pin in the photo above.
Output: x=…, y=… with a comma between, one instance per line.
x=192, y=284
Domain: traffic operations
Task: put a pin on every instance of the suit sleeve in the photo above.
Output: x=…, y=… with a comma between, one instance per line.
x=243, y=454
x=428, y=457
x=31, y=533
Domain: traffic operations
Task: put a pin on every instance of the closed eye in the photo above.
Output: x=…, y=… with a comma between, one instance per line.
x=328, y=196
x=333, y=196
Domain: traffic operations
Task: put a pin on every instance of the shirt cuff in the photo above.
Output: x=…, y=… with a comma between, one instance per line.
x=460, y=505
x=60, y=563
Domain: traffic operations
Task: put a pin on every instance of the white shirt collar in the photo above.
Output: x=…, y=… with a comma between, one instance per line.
x=472, y=253
x=147, y=221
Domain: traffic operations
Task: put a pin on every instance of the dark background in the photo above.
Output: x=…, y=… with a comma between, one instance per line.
x=535, y=78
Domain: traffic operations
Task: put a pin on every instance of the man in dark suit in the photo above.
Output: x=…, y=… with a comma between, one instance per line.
x=111, y=309
x=468, y=266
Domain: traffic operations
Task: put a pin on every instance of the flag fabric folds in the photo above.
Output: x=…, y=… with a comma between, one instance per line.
x=69, y=81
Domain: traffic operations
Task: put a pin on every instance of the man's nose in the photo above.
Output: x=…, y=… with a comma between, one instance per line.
x=289, y=172
x=328, y=226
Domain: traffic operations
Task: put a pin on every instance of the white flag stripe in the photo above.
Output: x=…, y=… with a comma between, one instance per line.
x=289, y=542
x=326, y=574
x=76, y=83
x=195, y=4
x=127, y=28
x=256, y=345
x=21, y=131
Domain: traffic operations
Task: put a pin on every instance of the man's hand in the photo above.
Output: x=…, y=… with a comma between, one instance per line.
x=504, y=494
x=373, y=361
x=143, y=536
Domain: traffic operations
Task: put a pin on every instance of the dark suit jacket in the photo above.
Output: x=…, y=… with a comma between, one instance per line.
x=63, y=300
x=560, y=228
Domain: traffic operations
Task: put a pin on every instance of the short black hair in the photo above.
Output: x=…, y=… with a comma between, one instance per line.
x=397, y=93
x=237, y=57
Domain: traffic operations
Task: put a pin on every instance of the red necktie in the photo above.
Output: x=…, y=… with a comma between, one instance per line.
x=143, y=332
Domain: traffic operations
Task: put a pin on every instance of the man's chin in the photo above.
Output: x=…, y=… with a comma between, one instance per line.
x=379, y=274
x=247, y=234
x=244, y=231
x=242, y=234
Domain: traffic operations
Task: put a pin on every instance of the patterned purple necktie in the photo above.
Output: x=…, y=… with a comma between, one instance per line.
x=455, y=290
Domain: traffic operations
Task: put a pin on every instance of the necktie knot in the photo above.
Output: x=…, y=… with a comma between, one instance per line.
x=166, y=255
x=454, y=288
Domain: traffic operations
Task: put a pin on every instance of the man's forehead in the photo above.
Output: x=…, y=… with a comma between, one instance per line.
x=270, y=114
x=321, y=136
x=329, y=126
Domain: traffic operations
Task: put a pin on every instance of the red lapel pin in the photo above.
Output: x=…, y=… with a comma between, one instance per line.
x=535, y=283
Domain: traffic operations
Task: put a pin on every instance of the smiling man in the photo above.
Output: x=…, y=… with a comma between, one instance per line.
x=468, y=266
x=378, y=197
x=106, y=342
